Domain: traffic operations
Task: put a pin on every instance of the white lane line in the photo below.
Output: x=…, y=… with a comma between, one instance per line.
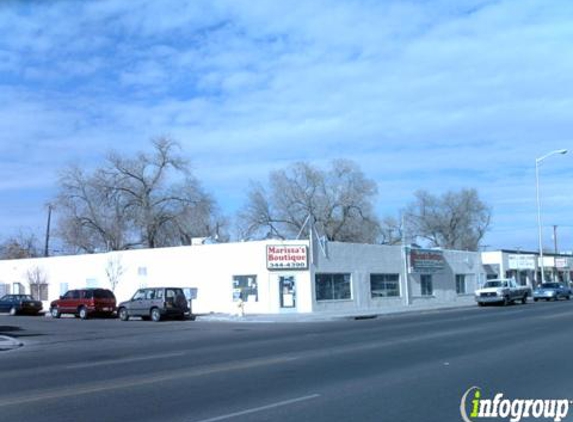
x=125, y=360
x=557, y=315
x=260, y=409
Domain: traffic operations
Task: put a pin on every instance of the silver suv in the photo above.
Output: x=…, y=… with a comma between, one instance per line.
x=155, y=303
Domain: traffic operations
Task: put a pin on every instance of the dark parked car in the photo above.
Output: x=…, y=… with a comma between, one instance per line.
x=155, y=304
x=84, y=303
x=551, y=291
x=20, y=304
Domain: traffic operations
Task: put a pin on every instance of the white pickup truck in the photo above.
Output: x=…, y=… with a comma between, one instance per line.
x=503, y=291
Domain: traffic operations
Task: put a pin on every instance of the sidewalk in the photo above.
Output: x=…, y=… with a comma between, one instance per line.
x=8, y=343
x=334, y=316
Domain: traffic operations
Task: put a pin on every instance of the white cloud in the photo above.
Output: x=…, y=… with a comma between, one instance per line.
x=423, y=94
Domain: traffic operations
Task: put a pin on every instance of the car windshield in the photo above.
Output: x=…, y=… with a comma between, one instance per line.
x=496, y=283
x=550, y=286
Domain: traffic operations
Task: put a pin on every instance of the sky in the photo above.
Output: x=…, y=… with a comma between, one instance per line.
x=427, y=94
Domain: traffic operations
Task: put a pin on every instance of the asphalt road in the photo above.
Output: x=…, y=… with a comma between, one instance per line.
x=394, y=368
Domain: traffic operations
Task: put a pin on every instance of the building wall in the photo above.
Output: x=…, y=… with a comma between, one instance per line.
x=360, y=261
x=209, y=268
x=464, y=263
x=363, y=260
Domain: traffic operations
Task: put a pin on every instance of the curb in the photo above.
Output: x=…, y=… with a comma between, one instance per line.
x=9, y=343
x=326, y=317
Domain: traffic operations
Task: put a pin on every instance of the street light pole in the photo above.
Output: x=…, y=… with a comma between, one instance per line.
x=539, y=224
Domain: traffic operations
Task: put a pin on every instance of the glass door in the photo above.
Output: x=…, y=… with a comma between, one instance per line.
x=287, y=291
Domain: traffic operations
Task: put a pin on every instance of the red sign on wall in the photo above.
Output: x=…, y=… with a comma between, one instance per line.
x=426, y=260
x=291, y=257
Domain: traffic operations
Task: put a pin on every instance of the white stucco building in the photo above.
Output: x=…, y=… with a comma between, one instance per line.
x=268, y=276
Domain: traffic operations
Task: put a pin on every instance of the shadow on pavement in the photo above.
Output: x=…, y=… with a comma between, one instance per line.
x=16, y=332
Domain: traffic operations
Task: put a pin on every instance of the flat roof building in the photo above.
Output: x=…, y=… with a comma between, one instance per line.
x=270, y=276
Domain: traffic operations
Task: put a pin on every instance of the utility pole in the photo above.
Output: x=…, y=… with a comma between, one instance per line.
x=46, y=246
x=405, y=262
x=555, y=273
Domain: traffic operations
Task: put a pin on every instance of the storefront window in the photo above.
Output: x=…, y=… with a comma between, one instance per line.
x=332, y=286
x=385, y=285
x=245, y=288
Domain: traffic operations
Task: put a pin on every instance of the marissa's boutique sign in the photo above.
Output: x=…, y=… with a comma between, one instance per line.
x=291, y=257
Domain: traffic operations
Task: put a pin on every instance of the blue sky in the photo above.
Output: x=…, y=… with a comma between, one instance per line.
x=424, y=94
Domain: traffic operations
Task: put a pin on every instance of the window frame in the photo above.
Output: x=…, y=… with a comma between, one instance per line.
x=463, y=279
x=385, y=283
x=245, y=286
x=424, y=280
x=331, y=278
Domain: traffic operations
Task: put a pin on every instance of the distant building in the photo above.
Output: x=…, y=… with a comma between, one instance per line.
x=525, y=267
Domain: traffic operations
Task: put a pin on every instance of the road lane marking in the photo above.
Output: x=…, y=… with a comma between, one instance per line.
x=124, y=360
x=557, y=315
x=109, y=385
x=261, y=408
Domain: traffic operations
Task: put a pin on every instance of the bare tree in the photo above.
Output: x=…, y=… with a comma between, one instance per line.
x=20, y=246
x=455, y=220
x=149, y=200
x=391, y=231
x=38, y=281
x=114, y=269
x=93, y=217
x=338, y=201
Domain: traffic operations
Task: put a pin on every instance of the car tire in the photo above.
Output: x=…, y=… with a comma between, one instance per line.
x=123, y=314
x=568, y=297
x=13, y=311
x=155, y=315
x=83, y=313
x=55, y=313
x=535, y=299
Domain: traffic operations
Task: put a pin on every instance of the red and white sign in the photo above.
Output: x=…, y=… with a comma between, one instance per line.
x=426, y=260
x=287, y=257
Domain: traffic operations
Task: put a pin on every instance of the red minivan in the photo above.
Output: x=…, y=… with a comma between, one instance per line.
x=84, y=303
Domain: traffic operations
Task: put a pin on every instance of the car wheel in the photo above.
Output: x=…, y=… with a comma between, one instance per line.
x=13, y=311
x=155, y=315
x=55, y=313
x=83, y=313
x=568, y=297
x=123, y=314
x=535, y=299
